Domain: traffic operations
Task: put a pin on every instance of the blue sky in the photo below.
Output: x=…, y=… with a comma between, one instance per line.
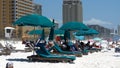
x=102, y=12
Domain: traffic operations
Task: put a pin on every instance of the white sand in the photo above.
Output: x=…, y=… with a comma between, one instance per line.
x=102, y=59
x=94, y=60
x=17, y=44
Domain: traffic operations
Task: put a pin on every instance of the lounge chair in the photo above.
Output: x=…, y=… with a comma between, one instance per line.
x=45, y=55
x=85, y=52
x=4, y=50
x=96, y=49
x=91, y=50
x=10, y=47
x=29, y=47
x=58, y=49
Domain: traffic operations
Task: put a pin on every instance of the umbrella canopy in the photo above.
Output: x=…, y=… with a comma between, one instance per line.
x=97, y=39
x=35, y=32
x=71, y=26
x=33, y=20
x=59, y=32
x=38, y=32
x=86, y=32
x=74, y=26
x=79, y=37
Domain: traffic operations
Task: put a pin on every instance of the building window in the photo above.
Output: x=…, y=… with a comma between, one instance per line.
x=8, y=31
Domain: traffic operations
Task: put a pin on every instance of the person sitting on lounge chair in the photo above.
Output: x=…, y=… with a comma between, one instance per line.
x=72, y=47
x=82, y=46
x=62, y=45
x=49, y=45
x=76, y=45
x=95, y=46
x=87, y=46
x=66, y=46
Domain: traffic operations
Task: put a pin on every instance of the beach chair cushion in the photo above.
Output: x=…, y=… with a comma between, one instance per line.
x=56, y=47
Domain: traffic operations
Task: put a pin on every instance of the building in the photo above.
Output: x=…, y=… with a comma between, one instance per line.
x=119, y=30
x=72, y=11
x=11, y=10
x=38, y=9
x=103, y=32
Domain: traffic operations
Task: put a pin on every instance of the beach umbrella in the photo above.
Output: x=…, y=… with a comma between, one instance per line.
x=42, y=35
x=97, y=39
x=38, y=32
x=74, y=26
x=33, y=20
x=35, y=32
x=59, y=32
x=53, y=31
x=86, y=32
x=80, y=37
x=51, y=35
x=67, y=35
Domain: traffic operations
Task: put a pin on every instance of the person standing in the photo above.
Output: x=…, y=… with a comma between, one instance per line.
x=9, y=65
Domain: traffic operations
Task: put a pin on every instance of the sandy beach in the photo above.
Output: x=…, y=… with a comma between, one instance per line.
x=93, y=60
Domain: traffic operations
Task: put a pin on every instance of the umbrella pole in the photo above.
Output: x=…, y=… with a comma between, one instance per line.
x=34, y=41
x=34, y=34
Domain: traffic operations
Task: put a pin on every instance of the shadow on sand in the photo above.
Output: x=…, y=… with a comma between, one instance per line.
x=26, y=60
x=116, y=55
x=18, y=59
